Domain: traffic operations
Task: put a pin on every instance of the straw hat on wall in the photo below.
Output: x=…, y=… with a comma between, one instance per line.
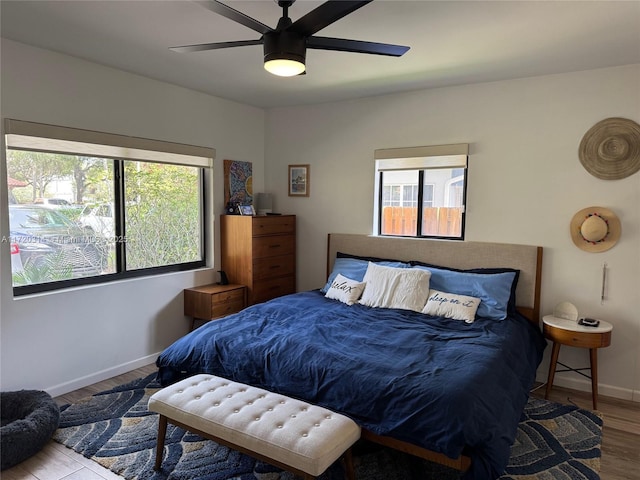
x=610, y=150
x=595, y=229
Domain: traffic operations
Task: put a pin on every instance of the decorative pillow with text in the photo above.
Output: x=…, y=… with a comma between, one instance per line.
x=494, y=286
x=450, y=305
x=344, y=289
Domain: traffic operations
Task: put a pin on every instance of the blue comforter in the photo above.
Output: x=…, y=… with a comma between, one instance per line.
x=445, y=385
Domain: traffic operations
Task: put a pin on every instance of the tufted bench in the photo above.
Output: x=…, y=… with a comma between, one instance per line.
x=288, y=433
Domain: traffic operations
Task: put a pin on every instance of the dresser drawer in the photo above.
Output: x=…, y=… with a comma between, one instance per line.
x=212, y=301
x=271, y=225
x=273, y=245
x=576, y=338
x=275, y=287
x=227, y=297
x=268, y=267
x=227, y=308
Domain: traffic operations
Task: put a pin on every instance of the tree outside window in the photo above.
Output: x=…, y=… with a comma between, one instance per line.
x=77, y=219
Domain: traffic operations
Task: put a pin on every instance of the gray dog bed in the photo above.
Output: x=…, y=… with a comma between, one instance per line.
x=29, y=418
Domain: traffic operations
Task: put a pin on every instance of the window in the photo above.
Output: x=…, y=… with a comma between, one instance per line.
x=398, y=193
x=124, y=206
x=432, y=177
x=427, y=194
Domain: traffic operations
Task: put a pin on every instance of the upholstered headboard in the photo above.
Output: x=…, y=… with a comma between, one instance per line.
x=463, y=255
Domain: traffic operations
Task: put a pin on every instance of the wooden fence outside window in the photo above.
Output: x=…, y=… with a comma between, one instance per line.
x=436, y=221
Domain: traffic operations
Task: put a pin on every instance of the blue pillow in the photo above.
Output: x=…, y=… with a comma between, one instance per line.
x=354, y=267
x=494, y=287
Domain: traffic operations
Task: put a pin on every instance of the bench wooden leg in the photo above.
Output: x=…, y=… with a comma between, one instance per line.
x=162, y=431
x=349, y=471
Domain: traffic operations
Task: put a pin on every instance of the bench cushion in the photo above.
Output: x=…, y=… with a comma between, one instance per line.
x=295, y=433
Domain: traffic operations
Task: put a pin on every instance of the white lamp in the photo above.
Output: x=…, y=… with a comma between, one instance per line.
x=566, y=310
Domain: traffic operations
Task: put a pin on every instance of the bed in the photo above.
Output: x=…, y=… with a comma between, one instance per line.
x=450, y=390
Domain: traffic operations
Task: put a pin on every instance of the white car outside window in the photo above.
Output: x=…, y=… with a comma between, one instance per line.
x=98, y=220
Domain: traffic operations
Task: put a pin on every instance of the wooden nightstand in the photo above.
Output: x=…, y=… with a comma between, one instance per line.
x=568, y=332
x=213, y=301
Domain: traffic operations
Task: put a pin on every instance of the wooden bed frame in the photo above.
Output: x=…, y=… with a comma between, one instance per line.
x=461, y=255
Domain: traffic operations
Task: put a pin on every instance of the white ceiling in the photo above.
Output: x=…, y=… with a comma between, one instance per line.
x=452, y=43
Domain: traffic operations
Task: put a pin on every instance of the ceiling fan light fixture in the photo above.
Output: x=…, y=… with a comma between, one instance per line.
x=285, y=47
x=284, y=67
x=284, y=53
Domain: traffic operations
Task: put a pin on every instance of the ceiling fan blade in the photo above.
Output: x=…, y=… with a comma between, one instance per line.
x=325, y=15
x=214, y=46
x=233, y=14
x=357, y=46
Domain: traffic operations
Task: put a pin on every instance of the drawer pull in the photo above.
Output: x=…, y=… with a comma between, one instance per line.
x=275, y=246
x=274, y=267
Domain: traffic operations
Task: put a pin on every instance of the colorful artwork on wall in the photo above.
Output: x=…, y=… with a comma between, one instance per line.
x=238, y=183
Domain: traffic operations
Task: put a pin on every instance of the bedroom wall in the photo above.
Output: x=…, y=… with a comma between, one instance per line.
x=525, y=184
x=64, y=340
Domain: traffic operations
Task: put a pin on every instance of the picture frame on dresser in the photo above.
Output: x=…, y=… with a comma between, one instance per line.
x=246, y=210
x=299, y=180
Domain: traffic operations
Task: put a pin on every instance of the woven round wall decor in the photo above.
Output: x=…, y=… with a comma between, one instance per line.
x=610, y=150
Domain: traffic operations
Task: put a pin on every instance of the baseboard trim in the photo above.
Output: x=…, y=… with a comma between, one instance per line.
x=87, y=380
x=603, y=389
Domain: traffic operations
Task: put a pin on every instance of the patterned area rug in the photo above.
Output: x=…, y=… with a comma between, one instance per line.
x=115, y=429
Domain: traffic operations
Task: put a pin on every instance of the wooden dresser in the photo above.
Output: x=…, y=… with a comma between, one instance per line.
x=260, y=252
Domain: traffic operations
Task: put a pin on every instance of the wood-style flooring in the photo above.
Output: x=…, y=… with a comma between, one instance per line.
x=620, y=433
x=57, y=462
x=620, y=438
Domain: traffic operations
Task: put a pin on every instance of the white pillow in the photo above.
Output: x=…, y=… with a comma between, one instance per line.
x=450, y=305
x=389, y=287
x=344, y=289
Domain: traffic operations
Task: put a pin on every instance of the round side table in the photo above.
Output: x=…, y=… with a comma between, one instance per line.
x=568, y=332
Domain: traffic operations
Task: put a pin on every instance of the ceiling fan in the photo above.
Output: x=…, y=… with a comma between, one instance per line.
x=286, y=45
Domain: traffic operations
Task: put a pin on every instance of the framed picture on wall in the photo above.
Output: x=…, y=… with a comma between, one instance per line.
x=299, y=180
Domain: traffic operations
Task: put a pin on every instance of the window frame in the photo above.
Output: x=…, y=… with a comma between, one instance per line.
x=31, y=136
x=420, y=159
